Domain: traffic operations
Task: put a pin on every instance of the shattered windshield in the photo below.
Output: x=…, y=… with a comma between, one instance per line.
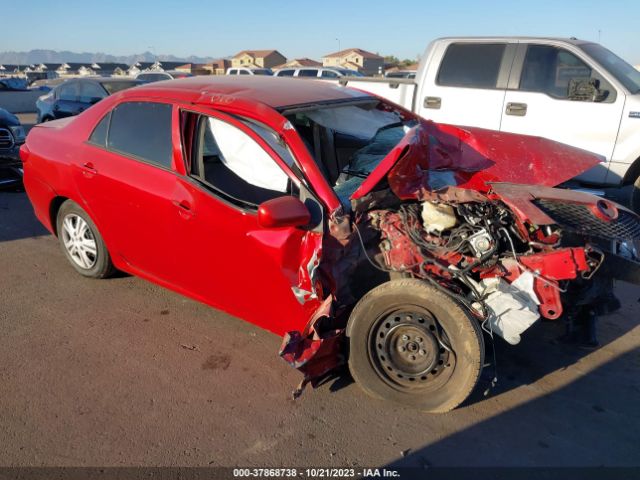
x=348, y=141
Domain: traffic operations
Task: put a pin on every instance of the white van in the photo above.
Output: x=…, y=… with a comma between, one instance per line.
x=249, y=71
x=317, y=72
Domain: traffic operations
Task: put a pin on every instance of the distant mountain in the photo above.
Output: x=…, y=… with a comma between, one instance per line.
x=52, y=56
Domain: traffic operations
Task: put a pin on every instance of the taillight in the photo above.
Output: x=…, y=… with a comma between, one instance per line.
x=24, y=153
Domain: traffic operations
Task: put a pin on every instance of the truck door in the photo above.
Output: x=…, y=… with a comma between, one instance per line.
x=555, y=93
x=468, y=86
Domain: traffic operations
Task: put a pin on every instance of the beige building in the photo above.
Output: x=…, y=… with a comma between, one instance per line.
x=216, y=67
x=357, y=59
x=299, y=63
x=258, y=59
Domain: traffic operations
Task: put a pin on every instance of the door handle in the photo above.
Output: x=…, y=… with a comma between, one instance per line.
x=184, y=208
x=516, y=109
x=432, y=102
x=89, y=168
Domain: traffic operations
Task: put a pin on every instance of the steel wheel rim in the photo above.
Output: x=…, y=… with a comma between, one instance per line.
x=410, y=350
x=79, y=241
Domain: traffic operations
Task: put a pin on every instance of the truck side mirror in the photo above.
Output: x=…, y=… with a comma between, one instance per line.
x=586, y=90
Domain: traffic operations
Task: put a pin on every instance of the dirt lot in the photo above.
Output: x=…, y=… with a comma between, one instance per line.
x=121, y=372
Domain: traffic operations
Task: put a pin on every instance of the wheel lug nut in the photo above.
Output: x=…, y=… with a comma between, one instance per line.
x=418, y=339
x=405, y=337
x=422, y=352
x=402, y=349
x=413, y=357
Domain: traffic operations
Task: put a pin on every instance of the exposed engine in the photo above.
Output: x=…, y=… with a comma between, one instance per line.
x=507, y=273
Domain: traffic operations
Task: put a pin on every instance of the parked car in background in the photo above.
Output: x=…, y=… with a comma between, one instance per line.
x=572, y=91
x=12, y=137
x=76, y=95
x=317, y=72
x=13, y=84
x=401, y=74
x=249, y=71
x=149, y=77
x=346, y=223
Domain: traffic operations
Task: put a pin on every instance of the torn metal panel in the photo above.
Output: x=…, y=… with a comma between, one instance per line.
x=317, y=349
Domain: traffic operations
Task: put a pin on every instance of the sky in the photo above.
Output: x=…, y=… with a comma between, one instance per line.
x=305, y=28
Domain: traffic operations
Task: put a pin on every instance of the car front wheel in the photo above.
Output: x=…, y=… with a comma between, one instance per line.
x=81, y=242
x=413, y=344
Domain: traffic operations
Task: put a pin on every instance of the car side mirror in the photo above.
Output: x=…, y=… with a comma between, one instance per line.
x=283, y=212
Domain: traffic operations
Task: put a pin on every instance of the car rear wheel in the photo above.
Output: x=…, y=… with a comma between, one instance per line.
x=412, y=344
x=82, y=243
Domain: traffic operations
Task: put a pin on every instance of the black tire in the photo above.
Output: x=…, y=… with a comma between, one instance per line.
x=635, y=196
x=404, y=317
x=99, y=264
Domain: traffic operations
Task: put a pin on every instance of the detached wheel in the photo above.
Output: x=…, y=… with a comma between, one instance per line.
x=413, y=344
x=82, y=243
x=635, y=197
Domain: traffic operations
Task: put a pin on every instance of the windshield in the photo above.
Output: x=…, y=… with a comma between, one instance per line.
x=113, y=87
x=624, y=73
x=348, y=141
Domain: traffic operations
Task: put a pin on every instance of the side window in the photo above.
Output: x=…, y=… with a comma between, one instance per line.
x=142, y=129
x=286, y=73
x=99, y=134
x=560, y=74
x=236, y=166
x=91, y=92
x=329, y=74
x=308, y=73
x=471, y=65
x=69, y=92
x=243, y=72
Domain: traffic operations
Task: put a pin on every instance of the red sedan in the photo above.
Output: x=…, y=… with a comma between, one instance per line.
x=341, y=221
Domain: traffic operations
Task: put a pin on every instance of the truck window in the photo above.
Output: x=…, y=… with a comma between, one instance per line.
x=471, y=65
x=553, y=71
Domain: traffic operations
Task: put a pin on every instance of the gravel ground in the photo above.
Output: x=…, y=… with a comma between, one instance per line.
x=121, y=372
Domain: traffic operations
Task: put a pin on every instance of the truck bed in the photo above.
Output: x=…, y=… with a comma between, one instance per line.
x=398, y=90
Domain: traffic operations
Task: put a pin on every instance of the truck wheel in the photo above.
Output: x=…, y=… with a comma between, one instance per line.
x=635, y=196
x=81, y=242
x=413, y=344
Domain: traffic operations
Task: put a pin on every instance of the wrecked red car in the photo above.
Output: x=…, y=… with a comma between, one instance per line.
x=358, y=231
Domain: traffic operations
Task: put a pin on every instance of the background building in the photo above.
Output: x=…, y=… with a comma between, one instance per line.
x=258, y=59
x=299, y=62
x=357, y=59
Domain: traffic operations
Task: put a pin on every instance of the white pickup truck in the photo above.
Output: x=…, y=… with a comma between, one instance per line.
x=572, y=91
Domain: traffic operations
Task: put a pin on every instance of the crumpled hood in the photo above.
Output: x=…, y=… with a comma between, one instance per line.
x=432, y=156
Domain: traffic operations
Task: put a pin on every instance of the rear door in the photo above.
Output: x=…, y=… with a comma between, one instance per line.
x=543, y=100
x=468, y=86
x=125, y=175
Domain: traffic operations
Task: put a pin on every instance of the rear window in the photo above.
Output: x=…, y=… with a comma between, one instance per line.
x=471, y=65
x=308, y=73
x=286, y=73
x=142, y=129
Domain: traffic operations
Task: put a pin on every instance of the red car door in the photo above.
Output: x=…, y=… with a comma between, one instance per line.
x=224, y=257
x=126, y=182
